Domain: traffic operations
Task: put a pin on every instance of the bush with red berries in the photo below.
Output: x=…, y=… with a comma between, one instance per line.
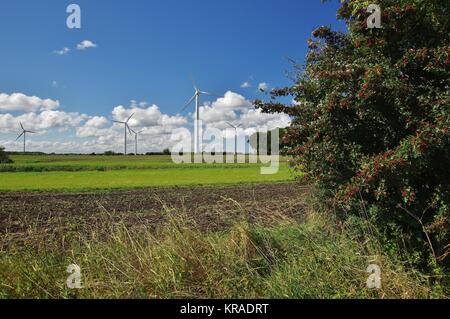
x=371, y=118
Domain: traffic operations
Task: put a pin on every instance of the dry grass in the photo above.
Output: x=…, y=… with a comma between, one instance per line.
x=274, y=258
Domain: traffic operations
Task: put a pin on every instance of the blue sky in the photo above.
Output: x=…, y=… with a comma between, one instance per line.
x=146, y=50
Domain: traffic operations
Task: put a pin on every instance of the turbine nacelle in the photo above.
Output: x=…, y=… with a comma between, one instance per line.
x=234, y=126
x=196, y=96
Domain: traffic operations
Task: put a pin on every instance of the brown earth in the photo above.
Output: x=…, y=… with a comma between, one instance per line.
x=211, y=208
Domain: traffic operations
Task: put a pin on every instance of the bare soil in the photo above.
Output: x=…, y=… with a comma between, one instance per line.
x=211, y=208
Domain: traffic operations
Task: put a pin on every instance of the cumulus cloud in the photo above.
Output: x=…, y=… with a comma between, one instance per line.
x=232, y=101
x=256, y=118
x=19, y=102
x=97, y=122
x=104, y=135
x=45, y=120
x=156, y=128
x=146, y=116
x=63, y=51
x=224, y=109
x=235, y=108
x=86, y=44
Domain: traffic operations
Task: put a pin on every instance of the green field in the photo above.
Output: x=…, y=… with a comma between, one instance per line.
x=78, y=173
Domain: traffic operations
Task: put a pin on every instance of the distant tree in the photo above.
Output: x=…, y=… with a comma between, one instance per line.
x=371, y=118
x=109, y=153
x=4, y=158
x=166, y=151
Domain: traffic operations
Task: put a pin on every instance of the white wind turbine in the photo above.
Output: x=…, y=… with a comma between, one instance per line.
x=24, y=134
x=136, y=134
x=197, y=132
x=126, y=128
x=236, y=127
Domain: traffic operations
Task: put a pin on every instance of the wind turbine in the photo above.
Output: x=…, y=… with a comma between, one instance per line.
x=126, y=128
x=136, y=134
x=24, y=133
x=235, y=135
x=196, y=97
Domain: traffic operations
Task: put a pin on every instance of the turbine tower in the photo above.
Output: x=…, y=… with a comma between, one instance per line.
x=197, y=132
x=24, y=134
x=126, y=128
x=136, y=134
x=235, y=136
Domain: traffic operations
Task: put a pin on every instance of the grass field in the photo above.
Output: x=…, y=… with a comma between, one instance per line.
x=45, y=163
x=262, y=238
x=79, y=173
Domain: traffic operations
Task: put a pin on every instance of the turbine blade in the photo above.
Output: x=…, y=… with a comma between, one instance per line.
x=31, y=132
x=127, y=128
x=130, y=117
x=21, y=126
x=20, y=136
x=193, y=83
x=119, y=122
x=188, y=103
x=231, y=125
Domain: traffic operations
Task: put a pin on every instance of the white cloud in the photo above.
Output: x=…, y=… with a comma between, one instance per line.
x=103, y=134
x=235, y=108
x=19, y=102
x=43, y=121
x=157, y=129
x=224, y=109
x=256, y=118
x=63, y=51
x=86, y=44
x=95, y=127
x=232, y=101
x=146, y=116
x=246, y=85
x=263, y=87
x=97, y=122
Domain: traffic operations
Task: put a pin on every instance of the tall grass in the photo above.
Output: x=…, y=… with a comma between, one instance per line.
x=281, y=258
